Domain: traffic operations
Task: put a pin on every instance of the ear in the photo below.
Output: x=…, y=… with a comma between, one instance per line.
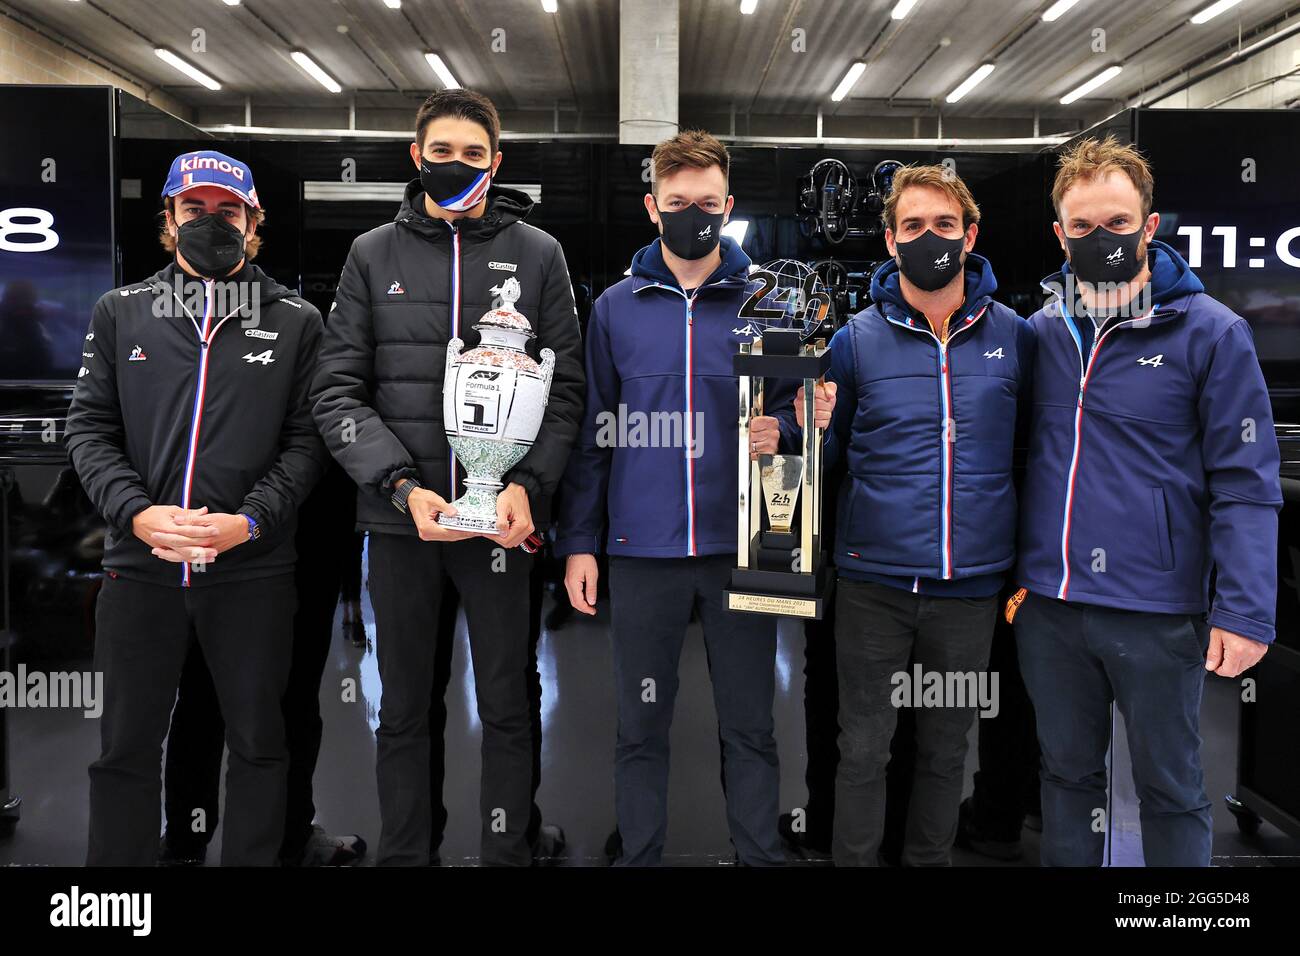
x=1151, y=225
x=890, y=244
x=726, y=209
x=496, y=164
x=971, y=233
x=1060, y=236
x=171, y=223
x=415, y=154
x=651, y=209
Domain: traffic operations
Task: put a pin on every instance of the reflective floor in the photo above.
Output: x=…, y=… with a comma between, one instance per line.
x=51, y=749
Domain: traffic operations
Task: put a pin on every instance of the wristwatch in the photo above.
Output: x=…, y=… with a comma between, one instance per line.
x=404, y=488
x=254, y=532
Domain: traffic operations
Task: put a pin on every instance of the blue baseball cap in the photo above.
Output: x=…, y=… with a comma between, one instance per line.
x=207, y=167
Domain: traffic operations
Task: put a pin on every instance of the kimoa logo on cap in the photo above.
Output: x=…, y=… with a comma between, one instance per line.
x=190, y=164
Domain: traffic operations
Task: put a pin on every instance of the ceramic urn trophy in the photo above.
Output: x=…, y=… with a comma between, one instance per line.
x=493, y=398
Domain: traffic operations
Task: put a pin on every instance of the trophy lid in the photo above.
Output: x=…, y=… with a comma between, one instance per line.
x=507, y=317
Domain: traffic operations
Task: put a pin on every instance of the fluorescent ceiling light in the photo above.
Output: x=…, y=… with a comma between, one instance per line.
x=312, y=69
x=902, y=9
x=736, y=229
x=444, y=74
x=193, y=72
x=1104, y=76
x=1057, y=9
x=971, y=82
x=550, y=6
x=748, y=6
x=1214, y=9
x=850, y=78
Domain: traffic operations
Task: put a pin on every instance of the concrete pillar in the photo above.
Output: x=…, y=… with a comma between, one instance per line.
x=647, y=70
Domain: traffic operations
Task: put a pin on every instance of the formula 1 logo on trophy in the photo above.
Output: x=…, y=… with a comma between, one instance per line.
x=781, y=569
x=493, y=397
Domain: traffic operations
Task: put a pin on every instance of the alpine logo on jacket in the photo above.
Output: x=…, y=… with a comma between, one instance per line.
x=996, y=353
x=1154, y=362
x=747, y=329
x=396, y=288
x=264, y=358
x=137, y=355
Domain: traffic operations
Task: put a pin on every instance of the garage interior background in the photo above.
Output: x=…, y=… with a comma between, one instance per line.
x=318, y=96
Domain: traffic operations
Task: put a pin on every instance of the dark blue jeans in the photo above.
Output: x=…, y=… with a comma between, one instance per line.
x=1078, y=658
x=651, y=602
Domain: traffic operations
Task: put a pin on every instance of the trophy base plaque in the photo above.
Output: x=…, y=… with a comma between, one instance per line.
x=476, y=509
x=762, y=591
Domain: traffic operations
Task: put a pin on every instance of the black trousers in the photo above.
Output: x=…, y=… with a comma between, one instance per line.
x=407, y=594
x=1006, y=784
x=821, y=704
x=143, y=633
x=325, y=542
x=879, y=629
x=447, y=613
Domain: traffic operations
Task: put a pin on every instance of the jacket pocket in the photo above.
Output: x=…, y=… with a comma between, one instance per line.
x=1163, y=542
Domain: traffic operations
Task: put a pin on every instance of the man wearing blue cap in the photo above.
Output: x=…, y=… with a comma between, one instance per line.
x=191, y=432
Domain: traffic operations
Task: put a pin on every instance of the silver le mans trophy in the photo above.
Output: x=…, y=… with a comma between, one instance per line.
x=493, y=397
x=781, y=567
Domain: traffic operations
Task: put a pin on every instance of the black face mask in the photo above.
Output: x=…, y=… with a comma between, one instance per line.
x=691, y=233
x=455, y=186
x=210, y=244
x=930, y=261
x=1103, y=256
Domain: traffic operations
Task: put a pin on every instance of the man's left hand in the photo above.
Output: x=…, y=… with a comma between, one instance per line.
x=764, y=436
x=1231, y=654
x=514, y=517
x=231, y=529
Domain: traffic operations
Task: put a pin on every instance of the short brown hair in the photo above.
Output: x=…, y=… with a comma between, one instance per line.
x=464, y=104
x=693, y=148
x=1091, y=158
x=937, y=177
x=252, y=244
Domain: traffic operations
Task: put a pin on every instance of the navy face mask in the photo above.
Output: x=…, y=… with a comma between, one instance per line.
x=930, y=261
x=1103, y=256
x=691, y=233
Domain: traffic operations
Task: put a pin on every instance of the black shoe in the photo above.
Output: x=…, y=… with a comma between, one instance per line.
x=322, y=849
x=193, y=855
x=970, y=837
x=614, y=846
x=805, y=842
x=549, y=845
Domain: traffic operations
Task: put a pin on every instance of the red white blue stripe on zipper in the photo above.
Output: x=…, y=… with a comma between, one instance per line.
x=455, y=326
x=688, y=430
x=206, y=334
x=947, y=434
x=1085, y=374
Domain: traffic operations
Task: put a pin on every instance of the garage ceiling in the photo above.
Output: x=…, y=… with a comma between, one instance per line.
x=569, y=59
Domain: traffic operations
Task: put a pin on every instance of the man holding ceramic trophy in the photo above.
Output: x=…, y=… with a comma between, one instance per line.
x=450, y=389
